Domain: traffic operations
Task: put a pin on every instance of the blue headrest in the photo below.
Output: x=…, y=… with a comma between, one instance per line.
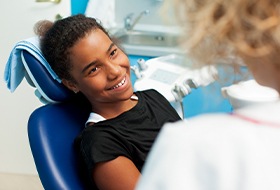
x=48, y=90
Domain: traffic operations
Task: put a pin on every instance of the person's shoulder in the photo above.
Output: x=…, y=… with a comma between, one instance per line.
x=216, y=127
x=211, y=124
x=96, y=130
x=148, y=91
x=204, y=120
x=151, y=94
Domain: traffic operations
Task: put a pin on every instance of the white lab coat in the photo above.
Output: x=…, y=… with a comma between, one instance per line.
x=217, y=152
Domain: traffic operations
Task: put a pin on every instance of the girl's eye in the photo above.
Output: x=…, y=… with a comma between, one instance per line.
x=94, y=69
x=113, y=52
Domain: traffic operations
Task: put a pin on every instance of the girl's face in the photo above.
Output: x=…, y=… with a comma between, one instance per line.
x=100, y=69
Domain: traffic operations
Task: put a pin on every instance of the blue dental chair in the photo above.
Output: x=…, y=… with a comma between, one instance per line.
x=53, y=128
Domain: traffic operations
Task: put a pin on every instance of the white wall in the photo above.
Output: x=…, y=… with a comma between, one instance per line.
x=17, y=20
x=15, y=109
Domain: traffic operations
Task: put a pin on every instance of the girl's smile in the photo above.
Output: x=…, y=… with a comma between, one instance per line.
x=118, y=85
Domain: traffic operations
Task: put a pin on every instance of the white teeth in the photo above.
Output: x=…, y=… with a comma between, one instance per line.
x=120, y=84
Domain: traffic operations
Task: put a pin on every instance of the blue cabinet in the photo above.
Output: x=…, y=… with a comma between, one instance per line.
x=206, y=100
x=78, y=6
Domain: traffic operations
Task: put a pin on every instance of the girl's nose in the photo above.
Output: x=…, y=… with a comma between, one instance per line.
x=113, y=70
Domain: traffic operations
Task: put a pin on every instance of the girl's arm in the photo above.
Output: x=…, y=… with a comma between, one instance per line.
x=120, y=173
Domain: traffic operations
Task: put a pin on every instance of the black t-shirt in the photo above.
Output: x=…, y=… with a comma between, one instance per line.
x=130, y=134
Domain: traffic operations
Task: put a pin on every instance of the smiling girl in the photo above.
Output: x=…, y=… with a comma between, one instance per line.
x=123, y=124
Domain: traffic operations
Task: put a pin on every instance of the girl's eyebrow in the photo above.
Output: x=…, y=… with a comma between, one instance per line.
x=110, y=47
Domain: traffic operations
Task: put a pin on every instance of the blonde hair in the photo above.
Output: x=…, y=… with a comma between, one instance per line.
x=215, y=29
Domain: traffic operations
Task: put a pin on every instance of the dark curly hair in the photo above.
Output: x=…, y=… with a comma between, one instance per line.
x=58, y=37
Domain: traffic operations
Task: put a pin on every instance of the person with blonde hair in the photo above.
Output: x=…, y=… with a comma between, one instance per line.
x=224, y=151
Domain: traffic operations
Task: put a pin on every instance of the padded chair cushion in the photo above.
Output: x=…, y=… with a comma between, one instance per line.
x=52, y=129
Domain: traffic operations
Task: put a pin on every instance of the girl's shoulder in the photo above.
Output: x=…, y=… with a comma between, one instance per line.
x=151, y=94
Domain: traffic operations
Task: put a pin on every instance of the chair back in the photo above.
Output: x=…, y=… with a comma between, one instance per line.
x=52, y=130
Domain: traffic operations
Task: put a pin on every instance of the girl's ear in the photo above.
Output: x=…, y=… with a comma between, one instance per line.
x=70, y=85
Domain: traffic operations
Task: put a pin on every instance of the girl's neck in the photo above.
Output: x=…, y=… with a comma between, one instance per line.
x=110, y=110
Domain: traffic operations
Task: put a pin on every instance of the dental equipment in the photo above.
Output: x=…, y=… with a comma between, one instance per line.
x=173, y=77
